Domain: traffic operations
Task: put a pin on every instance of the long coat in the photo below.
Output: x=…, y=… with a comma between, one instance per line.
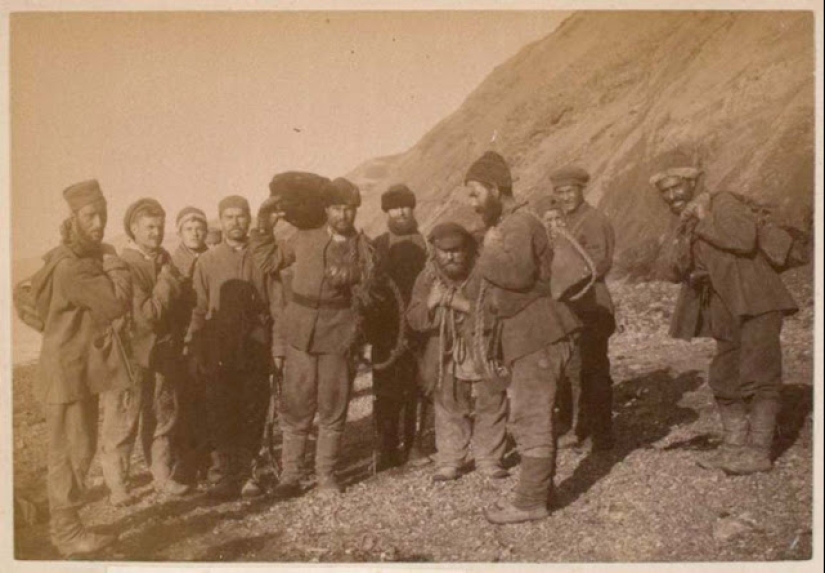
x=517, y=266
x=740, y=281
x=78, y=301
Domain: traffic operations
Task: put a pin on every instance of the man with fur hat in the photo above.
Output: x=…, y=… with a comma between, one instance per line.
x=152, y=403
x=536, y=332
x=400, y=255
x=593, y=231
x=732, y=294
x=192, y=438
x=320, y=330
x=229, y=340
x=469, y=405
x=77, y=300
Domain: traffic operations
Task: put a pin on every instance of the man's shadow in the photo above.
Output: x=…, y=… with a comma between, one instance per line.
x=645, y=408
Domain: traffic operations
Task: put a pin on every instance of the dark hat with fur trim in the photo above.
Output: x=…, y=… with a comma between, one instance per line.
x=396, y=197
x=341, y=191
x=235, y=201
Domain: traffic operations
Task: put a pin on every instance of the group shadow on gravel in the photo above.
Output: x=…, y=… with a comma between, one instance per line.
x=647, y=407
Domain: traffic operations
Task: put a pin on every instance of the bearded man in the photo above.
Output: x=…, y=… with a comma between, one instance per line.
x=536, y=332
x=77, y=300
x=731, y=294
x=469, y=405
x=400, y=256
x=320, y=331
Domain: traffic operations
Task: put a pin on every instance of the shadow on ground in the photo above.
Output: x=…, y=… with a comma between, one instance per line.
x=646, y=408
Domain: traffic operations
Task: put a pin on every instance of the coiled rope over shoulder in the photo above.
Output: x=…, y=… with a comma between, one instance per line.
x=400, y=337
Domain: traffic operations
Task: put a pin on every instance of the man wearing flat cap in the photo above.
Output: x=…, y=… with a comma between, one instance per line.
x=400, y=255
x=80, y=298
x=730, y=293
x=318, y=335
x=592, y=412
x=535, y=331
x=152, y=403
x=229, y=339
x=193, y=441
x=443, y=310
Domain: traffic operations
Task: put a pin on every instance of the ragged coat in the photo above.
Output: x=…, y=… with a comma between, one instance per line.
x=732, y=279
x=79, y=297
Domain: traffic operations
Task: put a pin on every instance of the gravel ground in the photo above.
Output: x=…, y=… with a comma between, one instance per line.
x=644, y=501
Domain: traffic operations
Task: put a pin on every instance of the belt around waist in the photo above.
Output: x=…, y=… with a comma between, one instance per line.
x=316, y=303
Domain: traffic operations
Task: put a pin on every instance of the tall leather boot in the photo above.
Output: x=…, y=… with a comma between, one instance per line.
x=735, y=434
x=756, y=456
x=292, y=460
x=326, y=460
x=532, y=493
x=70, y=537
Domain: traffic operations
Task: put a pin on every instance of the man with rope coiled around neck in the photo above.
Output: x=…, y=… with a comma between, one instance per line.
x=443, y=310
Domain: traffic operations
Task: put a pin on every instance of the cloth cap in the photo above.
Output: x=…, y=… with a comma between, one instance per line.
x=235, y=201
x=397, y=196
x=146, y=205
x=544, y=203
x=340, y=191
x=188, y=214
x=84, y=193
x=570, y=175
x=675, y=163
x=491, y=169
x=450, y=235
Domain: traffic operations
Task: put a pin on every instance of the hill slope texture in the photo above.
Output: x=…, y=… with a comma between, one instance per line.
x=612, y=91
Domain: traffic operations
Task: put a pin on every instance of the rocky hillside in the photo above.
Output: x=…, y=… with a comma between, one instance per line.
x=612, y=91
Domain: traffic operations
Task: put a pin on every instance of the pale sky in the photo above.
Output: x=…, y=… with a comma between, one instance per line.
x=190, y=107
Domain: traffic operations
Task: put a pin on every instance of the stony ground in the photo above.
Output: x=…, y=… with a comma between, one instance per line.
x=645, y=501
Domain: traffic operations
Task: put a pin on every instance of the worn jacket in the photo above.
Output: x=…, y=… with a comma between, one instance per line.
x=78, y=297
x=517, y=269
x=731, y=277
x=231, y=321
x=184, y=260
x=317, y=318
x=155, y=294
x=594, y=232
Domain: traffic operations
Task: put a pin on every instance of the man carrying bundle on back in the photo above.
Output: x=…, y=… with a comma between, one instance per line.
x=730, y=292
x=77, y=300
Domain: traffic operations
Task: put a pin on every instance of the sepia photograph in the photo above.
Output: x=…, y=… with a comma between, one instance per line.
x=477, y=286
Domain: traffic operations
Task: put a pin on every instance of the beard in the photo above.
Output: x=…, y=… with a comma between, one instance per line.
x=405, y=226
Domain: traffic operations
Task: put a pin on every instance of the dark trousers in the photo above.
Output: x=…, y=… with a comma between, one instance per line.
x=236, y=404
x=586, y=396
x=314, y=383
x=460, y=420
x=750, y=364
x=193, y=442
x=396, y=405
x=533, y=384
x=149, y=409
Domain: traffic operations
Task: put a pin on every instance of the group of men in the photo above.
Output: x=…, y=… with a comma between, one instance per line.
x=181, y=350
